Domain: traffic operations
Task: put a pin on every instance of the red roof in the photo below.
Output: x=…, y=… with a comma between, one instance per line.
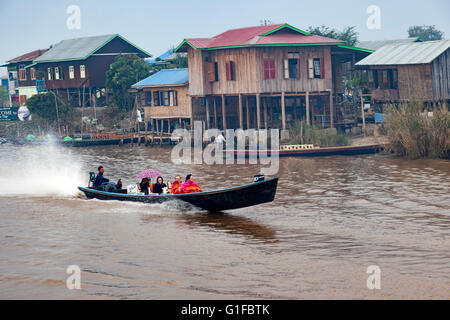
x=30, y=56
x=277, y=34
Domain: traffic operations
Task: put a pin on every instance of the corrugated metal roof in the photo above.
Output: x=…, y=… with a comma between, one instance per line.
x=377, y=44
x=74, y=49
x=165, y=77
x=30, y=56
x=412, y=53
x=278, y=34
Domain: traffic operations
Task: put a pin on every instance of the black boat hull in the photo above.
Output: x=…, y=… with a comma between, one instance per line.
x=214, y=201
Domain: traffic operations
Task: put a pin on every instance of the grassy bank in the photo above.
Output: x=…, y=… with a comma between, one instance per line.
x=414, y=134
x=302, y=133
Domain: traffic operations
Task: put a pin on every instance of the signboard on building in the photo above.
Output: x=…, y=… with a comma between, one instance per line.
x=15, y=114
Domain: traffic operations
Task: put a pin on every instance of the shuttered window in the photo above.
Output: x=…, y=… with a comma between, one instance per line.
x=156, y=98
x=211, y=72
x=316, y=68
x=230, y=70
x=269, y=69
x=57, y=74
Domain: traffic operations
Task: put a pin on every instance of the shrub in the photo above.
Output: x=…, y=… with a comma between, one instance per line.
x=413, y=134
x=303, y=133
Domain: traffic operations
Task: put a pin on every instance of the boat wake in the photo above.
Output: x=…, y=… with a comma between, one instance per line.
x=46, y=170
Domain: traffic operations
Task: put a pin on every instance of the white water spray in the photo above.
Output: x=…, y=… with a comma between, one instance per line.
x=47, y=170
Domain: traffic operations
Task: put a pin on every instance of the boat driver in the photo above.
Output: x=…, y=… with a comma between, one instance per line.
x=100, y=179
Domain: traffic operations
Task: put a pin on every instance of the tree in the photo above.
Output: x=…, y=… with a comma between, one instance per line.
x=43, y=106
x=179, y=61
x=4, y=96
x=425, y=33
x=123, y=73
x=348, y=34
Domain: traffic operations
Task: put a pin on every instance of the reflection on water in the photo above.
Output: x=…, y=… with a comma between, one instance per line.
x=332, y=218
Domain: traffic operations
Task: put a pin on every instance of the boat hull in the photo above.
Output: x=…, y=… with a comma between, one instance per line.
x=319, y=152
x=214, y=201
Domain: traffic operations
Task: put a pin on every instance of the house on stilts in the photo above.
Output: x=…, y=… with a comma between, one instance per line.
x=267, y=77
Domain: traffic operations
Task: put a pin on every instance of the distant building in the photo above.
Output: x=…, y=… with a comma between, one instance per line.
x=266, y=77
x=22, y=76
x=164, y=99
x=402, y=72
x=76, y=69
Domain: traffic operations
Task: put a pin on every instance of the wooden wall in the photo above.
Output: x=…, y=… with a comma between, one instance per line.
x=182, y=110
x=415, y=82
x=249, y=66
x=440, y=70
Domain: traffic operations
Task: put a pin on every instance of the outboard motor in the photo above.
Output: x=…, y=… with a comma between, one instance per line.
x=258, y=178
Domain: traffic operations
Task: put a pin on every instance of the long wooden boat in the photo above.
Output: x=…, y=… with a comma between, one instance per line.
x=317, y=152
x=213, y=201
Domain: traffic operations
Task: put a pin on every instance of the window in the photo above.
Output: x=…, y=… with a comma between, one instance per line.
x=82, y=71
x=318, y=68
x=213, y=71
x=33, y=73
x=291, y=66
x=71, y=72
x=395, y=79
x=149, y=98
x=216, y=71
x=310, y=69
x=22, y=74
x=269, y=69
x=49, y=73
x=231, y=70
x=166, y=98
x=57, y=75
x=156, y=98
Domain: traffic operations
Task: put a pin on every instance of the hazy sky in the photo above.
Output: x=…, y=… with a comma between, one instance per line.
x=156, y=25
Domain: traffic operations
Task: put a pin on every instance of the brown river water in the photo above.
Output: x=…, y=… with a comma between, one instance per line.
x=332, y=218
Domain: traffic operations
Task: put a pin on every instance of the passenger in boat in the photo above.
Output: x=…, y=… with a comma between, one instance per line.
x=144, y=186
x=189, y=186
x=159, y=186
x=176, y=185
x=100, y=179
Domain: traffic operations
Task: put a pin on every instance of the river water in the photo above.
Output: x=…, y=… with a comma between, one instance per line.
x=332, y=218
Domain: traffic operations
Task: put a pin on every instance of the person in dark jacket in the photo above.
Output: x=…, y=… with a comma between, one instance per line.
x=159, y=185
x=100, y=179
x=144, y=185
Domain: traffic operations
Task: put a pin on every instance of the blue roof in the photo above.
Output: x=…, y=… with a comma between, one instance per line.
x=165, y=77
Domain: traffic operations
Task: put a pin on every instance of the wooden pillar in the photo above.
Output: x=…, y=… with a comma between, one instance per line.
x=247, y=109
x=224, y=115
x=363, y=114
x=207, y=112
x=271, y=111
x=258, y=111
x=264, y=103
x=308, y=121
x=191, y=108
x=283, y=111
x=215, y=113
x=241, y=120
x=294, y=109
x=157, y=127
x=331, y=110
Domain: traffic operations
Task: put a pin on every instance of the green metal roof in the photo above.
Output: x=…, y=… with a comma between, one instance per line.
x=80, y=48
